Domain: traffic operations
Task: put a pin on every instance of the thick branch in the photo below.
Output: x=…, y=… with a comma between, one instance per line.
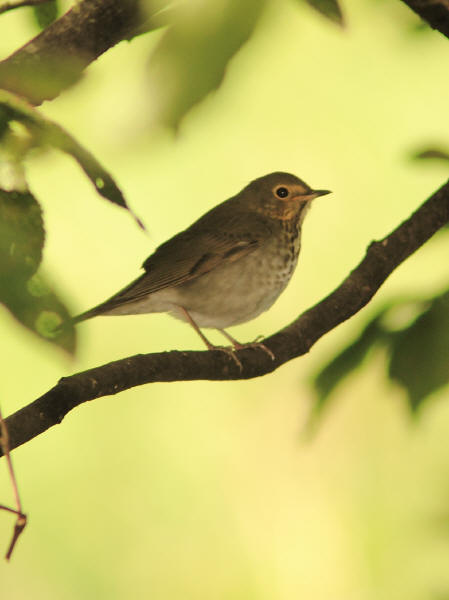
x=354, y=293
x=435, y=12
x=56, y=57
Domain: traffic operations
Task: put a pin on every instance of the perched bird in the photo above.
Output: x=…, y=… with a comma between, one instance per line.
x=229, y=266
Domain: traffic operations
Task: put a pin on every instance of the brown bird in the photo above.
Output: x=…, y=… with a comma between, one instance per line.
x=229, y=266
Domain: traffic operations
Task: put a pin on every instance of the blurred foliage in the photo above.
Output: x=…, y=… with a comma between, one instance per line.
x=191, y=58
x=347, y=361
x=419, y=353
x=45, y=13
x=34, y=304
x=417, y=350
x=42, y=79
x=329, y=8
x=21, y=235
x=46, y=133
x=28, y=297
x=22, y=291
x=433, y=153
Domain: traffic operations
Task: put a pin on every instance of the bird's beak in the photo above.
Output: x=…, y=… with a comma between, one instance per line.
x=312, y=195
x=316, y=193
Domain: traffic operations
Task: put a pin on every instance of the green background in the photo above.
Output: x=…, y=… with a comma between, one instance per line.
x=212, y=490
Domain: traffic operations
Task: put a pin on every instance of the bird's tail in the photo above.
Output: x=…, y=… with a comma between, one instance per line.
x=88, y=314
x=71, y=321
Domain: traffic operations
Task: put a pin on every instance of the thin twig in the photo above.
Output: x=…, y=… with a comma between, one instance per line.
x=21, y=520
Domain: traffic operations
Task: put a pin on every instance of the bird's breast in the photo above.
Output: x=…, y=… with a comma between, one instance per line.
x=236, y=292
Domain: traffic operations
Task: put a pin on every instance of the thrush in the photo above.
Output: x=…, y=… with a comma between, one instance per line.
x=229, y=266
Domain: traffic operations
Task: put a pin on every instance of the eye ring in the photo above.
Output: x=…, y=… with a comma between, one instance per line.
x=281, y=192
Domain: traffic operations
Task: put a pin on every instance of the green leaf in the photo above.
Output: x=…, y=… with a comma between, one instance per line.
x=46, y=13
x=34, y=304
x=329, y=8
x=416, y=335
x=21, y=236
x=26, y=294
x=191, y=57
x=420, y=353
x=48, y=133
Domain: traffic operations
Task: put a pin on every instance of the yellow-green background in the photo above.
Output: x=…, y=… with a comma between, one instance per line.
x=209, y=491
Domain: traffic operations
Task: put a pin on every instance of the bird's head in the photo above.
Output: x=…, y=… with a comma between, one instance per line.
x=281, y=196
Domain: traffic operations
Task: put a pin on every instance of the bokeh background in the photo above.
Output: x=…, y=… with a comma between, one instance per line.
x=214, y=490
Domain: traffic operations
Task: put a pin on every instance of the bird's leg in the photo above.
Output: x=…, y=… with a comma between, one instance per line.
x=210, y=346
x=196, y=328
x=238, y=346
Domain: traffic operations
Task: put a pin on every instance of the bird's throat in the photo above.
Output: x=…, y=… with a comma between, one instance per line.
x=289, y=211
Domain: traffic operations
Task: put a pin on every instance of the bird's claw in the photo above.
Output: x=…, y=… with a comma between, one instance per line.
x=257, y=344
x=231, y=353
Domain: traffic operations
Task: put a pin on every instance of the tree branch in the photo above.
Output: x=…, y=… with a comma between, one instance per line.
x=56, y=58
x=381, y=259
x=435, y=12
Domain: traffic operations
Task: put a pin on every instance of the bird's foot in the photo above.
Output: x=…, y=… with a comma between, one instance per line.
x=226, y=349
x=256, y=344
x=230, y=352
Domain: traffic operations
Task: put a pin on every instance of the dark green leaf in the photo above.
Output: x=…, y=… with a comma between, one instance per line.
x=420, y=353
x=329, y=8
x=191, y=57
x=21, y=236
x=48, y=133
x=37, y=307
x=46, y=13
x=416, y=334
x=22, y=291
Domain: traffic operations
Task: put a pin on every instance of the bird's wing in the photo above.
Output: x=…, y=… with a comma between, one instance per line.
x=189, y=255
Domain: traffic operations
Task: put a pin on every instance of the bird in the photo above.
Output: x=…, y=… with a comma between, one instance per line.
x=228, y=267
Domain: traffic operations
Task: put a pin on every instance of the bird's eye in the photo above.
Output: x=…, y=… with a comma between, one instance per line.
x=282, y=192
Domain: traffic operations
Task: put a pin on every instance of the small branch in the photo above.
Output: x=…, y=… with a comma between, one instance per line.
x=19, y=526
x=21, y=520
x=435, y=12
x=5, y=6
x=381, y=259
